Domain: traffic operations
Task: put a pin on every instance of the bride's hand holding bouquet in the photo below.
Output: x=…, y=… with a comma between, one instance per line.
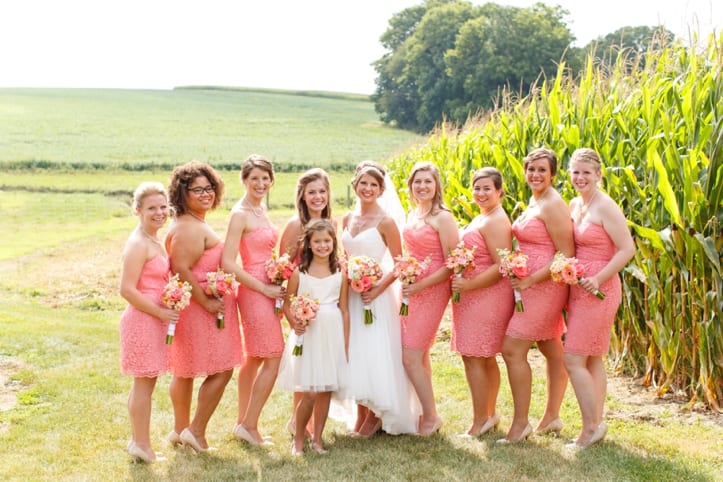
x=363, y=273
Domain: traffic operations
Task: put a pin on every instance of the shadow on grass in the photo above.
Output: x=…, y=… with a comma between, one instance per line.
x=440, y=457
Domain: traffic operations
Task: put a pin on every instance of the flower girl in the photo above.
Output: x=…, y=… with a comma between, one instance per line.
x=315, y=358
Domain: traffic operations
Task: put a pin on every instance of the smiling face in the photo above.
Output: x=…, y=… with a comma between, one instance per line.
x=316, y=197
x=321, y=244
x=584, y=176
x=201, y=194
x=485, y=194
x=257, y=182
x=367, y=188
x=424, y=187
x=153, y=212
x=538, y=174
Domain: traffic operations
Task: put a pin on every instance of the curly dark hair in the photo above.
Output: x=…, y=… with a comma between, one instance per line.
x=183, y=176
x=315, y=226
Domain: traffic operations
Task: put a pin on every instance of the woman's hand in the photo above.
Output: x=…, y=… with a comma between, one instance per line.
x=370, y=295
x=300, y=327
x=167, y=314
x=590, y=284
x=460, y=284
x=411, y=289
x=521, y=284
x=274, y=291
x=214, y=305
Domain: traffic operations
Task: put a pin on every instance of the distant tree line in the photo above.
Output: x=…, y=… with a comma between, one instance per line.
x=448, y=60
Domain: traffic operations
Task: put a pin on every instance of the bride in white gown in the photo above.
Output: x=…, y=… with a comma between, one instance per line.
x=377, y=380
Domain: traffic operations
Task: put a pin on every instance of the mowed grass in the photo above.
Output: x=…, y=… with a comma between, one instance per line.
x=174, y=126
x=59, y=312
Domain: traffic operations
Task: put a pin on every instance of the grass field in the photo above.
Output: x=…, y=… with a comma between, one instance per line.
x=63, y=409
x=172, y=126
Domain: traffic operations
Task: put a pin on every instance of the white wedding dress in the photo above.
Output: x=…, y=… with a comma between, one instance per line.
x=376, y=375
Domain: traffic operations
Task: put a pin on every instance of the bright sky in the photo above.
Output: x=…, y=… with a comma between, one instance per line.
x=286, y=44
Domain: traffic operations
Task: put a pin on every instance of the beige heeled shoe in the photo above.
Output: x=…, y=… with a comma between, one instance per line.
x=188, y=439
x=523, y=436
x=553, y=427
x=241, y=433
x=139, y=454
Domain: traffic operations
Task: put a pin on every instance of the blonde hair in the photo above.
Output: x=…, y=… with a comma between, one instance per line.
x=585, y=154
x=146, y=189
x=421, y=166
x=256, y=161
x=371, y=168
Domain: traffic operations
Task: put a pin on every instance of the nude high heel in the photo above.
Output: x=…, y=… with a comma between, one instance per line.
x=139, y=454
x=523, y=436
x=554, y=427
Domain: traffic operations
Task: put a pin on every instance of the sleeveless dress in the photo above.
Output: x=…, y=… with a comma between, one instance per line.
x=377, y=378
x=261, y=326
x=479, y=319
x=144, y=352
x=426, y=308
x=589, y=319
x=322, y=366
x=542, y=318
x=199, y=348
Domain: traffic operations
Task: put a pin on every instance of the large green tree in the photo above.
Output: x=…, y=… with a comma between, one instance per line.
x=447, y=59
x=630, y=43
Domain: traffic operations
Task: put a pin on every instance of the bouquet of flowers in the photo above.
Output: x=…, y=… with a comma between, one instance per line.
x=363, y=273
x=218, y=285
x=514, y=265
x=176, y=296
x=279, y=269
x=460, y=259
x=568, y=271
x=407, y=269
x=304, y=309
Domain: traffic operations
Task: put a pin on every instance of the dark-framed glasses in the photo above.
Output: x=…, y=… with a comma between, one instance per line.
x=200, y=190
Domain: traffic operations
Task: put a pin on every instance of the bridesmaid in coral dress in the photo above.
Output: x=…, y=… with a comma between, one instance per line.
x=144, y=322
x=430, y=231
x=543, y=229
x=251, y=234
x=480, y=318
x=313, y=201
x=603, y=246
x=200, y=348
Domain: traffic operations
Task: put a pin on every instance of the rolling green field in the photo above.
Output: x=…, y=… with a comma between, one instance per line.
x=63, y=412
x=139, y=127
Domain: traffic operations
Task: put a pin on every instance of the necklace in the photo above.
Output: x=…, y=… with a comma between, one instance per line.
x=485, y=214
x=586, y=205
x=152, y=238
x=195, y=216
x=253, y=209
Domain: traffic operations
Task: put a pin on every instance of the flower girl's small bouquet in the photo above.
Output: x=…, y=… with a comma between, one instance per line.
x=513, y=264
x=363, y=273
x=568, y=271
x=176, y=296
x=279, y=269
x=304, y=308
x=218, y=285
x=460, y=259
x=407, y=269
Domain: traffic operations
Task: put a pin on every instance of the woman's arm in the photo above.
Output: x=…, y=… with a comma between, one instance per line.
x=185, y=248
x=448, y=233
x=290, y=238
x=344, y=307
x=390, y=234
x=497, y=235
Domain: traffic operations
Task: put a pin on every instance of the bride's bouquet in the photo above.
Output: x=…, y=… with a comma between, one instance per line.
x=279, y=269
x=218, y=285
x=513, y=264
x=176, y=296
x=304, y=309
x=568, y=271
x=363, y=273
x=407, y=269
x=460, y=259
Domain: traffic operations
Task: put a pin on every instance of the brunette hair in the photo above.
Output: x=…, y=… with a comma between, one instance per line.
x=146, y=189
x=317, y=226
x=371, y=168
x=255, y=161
x=310, y=176
x=585, y=154
x=437, y=203
x=542, y=153
x=489, y=173
x=183, y=176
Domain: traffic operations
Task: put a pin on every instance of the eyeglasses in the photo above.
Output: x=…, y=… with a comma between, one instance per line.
x=200, y=190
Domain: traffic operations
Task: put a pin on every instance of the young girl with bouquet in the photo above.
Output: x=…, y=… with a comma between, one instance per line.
x=319, y=368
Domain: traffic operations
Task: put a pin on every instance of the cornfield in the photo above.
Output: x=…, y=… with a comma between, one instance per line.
x=657, y=122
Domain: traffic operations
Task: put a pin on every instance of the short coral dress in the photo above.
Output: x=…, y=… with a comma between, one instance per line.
x=199, y=347
x=261, y=326
x=426, y=308
x=479, y=319
x=589, y=319
x=543, y=302
x=144, y=352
